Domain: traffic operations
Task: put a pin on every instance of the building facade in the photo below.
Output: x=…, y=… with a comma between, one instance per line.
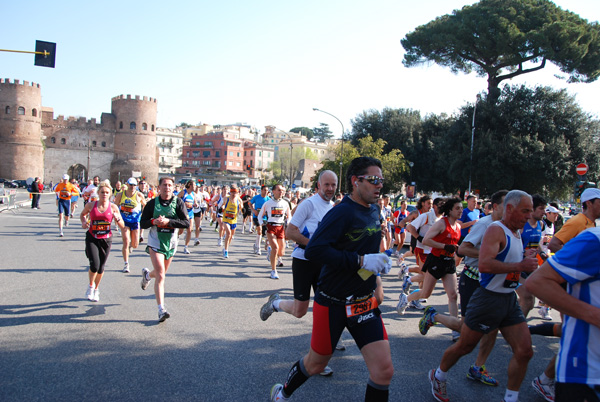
x=170, y=148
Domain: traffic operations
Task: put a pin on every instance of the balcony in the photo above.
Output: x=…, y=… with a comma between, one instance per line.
x=201, y=146
x=165, y=144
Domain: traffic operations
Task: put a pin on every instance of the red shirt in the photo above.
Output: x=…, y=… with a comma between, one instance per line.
x=448, y=236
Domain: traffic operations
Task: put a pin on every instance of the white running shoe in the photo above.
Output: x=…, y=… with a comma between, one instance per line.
x=544, y=313
x=402, y=304
x=185, y=250
x=96, y=296
x=145, y=278
x=416, y=304
x=89, y=293
x=327, y=371
x=220, y=242
x=197, y=242
x=60, y=234
x=269, y=254
x=126, y=268
x=274, y=275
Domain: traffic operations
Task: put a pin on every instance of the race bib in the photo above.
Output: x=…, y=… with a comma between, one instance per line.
x=100, y=228
x=276, y=212
x=361, y=312
x=512, y=280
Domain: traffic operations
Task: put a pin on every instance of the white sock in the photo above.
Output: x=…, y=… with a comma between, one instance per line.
x=441, y=375
x=276, y=304
x=161, y=308
x=544, y=379
x=511, y=396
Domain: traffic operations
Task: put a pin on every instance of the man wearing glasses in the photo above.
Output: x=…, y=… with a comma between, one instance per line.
x=130, y=203
x=347, y=244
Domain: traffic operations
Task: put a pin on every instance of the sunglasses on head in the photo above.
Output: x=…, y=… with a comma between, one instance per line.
x=374, y=180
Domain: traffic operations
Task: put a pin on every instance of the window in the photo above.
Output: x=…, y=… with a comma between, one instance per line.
x=196, y=154
x=197, y=143
x=7, y=110
x=94, y=143
x=251, y=153
x=21, y=110
x=187, y=154
x=207, y=163
x=230, y=163
x=238, y=164
x=144, y=126
x=34, y=112
x=208, y=143
x=259, y=153
x=230, y=153
x=222, y=143
x=103, y=144
x=244, y=153
x=206, y=154
x=153, y=127
x=63, y=141
x=53, y=140
x=217, y=154
x=120, y=124
x=132, y=125
x=238, y=154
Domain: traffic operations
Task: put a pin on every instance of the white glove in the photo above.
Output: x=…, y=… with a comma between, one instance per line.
x=377, y=263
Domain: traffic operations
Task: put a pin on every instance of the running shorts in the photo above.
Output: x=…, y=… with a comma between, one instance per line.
x=277, y=230
x=439, y=267
x=489, y=310
x=97, y=250
x=132, y=225
x=305, y=274
x=329, y=323
x=64, y=207
x=466, y=288
x=420, y=255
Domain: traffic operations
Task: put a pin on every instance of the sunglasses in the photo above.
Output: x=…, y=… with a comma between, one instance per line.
x=374, y=180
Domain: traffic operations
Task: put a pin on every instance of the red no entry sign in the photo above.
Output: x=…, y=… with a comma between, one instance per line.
x=582, y=169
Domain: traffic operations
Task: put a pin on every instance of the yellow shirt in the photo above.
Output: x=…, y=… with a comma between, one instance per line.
x=573, y=227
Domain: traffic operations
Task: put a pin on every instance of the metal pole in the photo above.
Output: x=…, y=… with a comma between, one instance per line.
x=342, y=146
x=290, y=163
x=472, y=140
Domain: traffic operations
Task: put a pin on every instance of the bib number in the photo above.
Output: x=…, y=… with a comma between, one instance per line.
x=360, y=312
x=100, y=228
x=512, y=280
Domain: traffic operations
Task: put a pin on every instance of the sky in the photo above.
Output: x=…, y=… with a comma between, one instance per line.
x=257, y=62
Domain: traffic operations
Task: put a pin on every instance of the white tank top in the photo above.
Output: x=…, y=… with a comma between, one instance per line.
x=512, y=252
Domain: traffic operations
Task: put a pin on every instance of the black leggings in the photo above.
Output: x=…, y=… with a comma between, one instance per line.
x=97, y=250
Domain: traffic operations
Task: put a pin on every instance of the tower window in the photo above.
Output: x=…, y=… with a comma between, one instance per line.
x=21, y=110
x=94, y=143
x=103, y=144
x=34, y=112
x=7, y=110
x=132, y=125
x=53, y=140
x=144, y=126
x=120, y=124
x=153, y=127
x=63, y=141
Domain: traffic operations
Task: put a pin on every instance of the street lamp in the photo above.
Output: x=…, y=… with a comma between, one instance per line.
x=342, y=147
x=472, y=139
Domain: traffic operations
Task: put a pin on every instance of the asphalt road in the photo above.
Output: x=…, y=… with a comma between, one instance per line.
x=55, y=345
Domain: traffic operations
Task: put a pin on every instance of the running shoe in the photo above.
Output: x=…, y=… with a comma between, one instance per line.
x=197, y=242
x=141, y=239
x=267, y=309
x=406, y=284
x=185, y=250
x=96, y=296
x=145, y=278
x=269, y=254
x=89, y=293
x=544, y=313
x=279, y=263
x=66, y=223
x=163, y=315
x=259, y=252
x=225, y=254
x=126, y=267
x=416, y=305
x=276, y=395
x=427, y=320
x=455, y=336
x=438, y=388
x=402, y=304
x=220, y=242
x=274, y=275
x=481, y=375
x=546, y=391
x=327, y=371
x=60, y=234
x=255, y=248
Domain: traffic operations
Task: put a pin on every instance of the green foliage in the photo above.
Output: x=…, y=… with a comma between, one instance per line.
x=305, y=131
x=322, y=132
x=502, y=39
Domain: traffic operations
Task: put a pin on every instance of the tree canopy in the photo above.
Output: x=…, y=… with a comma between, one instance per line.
x=502, y=39
x=305, y=131
x=322, y=132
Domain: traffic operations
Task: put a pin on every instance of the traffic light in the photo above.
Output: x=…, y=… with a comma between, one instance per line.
x=580, y=186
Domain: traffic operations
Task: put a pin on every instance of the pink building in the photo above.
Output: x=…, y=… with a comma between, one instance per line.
x=215, y=151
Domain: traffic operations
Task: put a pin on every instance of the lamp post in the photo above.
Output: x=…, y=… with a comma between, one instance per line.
x=342, y=147
x=472, y=139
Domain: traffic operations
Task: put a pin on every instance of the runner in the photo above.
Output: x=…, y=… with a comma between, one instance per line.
x=494, y=304
x=130, y=203
x=162, y=215
x=247, y=210
x=97, y=217
x=256, y=203
x=90, y=193
x=199, y=210
x=64, y=191
x=346, y=243
x=188, y=195
x=469, y=281
x=74, y=196
x=232, y=207
x=277, y=211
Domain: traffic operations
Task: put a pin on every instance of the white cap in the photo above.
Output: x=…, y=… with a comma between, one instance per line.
x=132, y=181
x=65, y=177
x=550, y=208
x=589, y=194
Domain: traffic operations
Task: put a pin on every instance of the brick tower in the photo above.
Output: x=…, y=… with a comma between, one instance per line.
x=22, y=152
x=135, y=138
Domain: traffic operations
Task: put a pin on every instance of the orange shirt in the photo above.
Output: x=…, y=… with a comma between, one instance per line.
x=573, y=227
x=65, y=190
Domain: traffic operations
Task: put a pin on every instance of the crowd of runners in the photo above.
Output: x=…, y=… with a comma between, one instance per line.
x=493, y=257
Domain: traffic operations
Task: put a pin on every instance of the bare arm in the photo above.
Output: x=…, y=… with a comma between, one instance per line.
x=293, y=233
x=433, y=231
x=493, y=242
x=555, y=244
x=412, y=230
x=545, y=284
x=117, y=216
x=411, y=217
x=468, y=249
x=84, y=213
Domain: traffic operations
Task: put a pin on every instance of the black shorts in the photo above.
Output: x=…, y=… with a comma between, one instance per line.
x=466, y=288
x=573, y=392
x=97, y=250
x=246, y=213
x=329, y=323
x=199, y=213
x=305, y=275
x=439, y=267
x=257, y=225
x=489, y=310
